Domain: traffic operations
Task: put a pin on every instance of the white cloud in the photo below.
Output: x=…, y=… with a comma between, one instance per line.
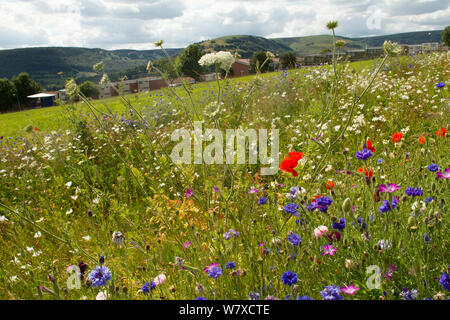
x=137, y=24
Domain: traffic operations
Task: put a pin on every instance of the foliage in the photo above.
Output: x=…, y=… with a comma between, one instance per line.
x=7, y=95
x=446, y=36
x=89, y=89
x=260, y=62
x=288, y=60
x=189, y=62
x=25, y=86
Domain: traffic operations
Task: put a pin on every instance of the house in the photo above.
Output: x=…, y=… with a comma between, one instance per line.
x=357, y=54
x=240, y=67
x=208, y=77
x=315, y=59
x=44, y=99
x=374, y=52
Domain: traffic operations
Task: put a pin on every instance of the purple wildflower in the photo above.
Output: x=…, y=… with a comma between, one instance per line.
x=414, y=192
x=364, y=154
x=289, y=278
x=331, y=293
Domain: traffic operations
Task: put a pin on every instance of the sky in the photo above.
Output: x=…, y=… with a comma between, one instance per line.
x=136, y=24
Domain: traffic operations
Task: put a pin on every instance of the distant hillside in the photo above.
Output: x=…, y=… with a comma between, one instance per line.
x=43, y=64
x=316, y=44
x=244, y=45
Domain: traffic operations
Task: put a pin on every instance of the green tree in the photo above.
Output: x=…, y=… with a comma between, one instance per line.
x=7, y=95
x=288, y=60
x=446, y=36
x=170, y=69
x=25, y=86
x=89, y=89
x=258, y=61
x=189, y=62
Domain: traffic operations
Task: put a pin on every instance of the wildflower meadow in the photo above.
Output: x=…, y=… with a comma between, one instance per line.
x=357, y=207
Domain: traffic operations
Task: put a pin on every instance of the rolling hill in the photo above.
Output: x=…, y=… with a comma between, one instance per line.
x=44, y=63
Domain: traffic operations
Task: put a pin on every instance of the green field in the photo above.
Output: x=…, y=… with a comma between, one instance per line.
x=94, y=204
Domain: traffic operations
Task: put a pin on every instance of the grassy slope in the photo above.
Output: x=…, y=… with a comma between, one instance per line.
x=52, y=118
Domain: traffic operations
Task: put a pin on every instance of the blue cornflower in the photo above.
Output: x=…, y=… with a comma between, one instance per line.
x=362, y=223
x=380, y=161
x=364, y=154
x=311, y=207
x=295, y=239
x=291, y=208
x=289, y=278
x=433, y=167
x=444, y=280
x=440, y=85
x=409, y=294
x=414, y=192
x=386, y=206
x=215, y=272
x=305, y=298
x=323, y=203
x=254, y=296
x=339, y=225
x=426, y=238
x=200, y=298
x=100, y=276
x=429, y=199
x=331, y=293
x=230, y=265
x=262, y=200
x=148, y=286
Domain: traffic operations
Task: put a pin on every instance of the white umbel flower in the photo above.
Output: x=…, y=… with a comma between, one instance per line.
x=223, y=59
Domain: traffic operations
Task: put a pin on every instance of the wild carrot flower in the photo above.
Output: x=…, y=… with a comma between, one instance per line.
x=396, y=137
x=351, y=290
x=364, y=154
x=289, y=278
x=100, y=276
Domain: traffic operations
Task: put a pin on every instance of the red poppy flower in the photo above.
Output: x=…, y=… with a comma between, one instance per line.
x=396, y=137
x=422, y=139
x=370, y=146
x=296, y=156
x=441, y=132
x=361, y=170
x=329, y=185
x=369, y=173
x=289, y=163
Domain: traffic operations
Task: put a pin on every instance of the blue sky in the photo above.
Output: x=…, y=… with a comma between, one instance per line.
x=136, y=24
